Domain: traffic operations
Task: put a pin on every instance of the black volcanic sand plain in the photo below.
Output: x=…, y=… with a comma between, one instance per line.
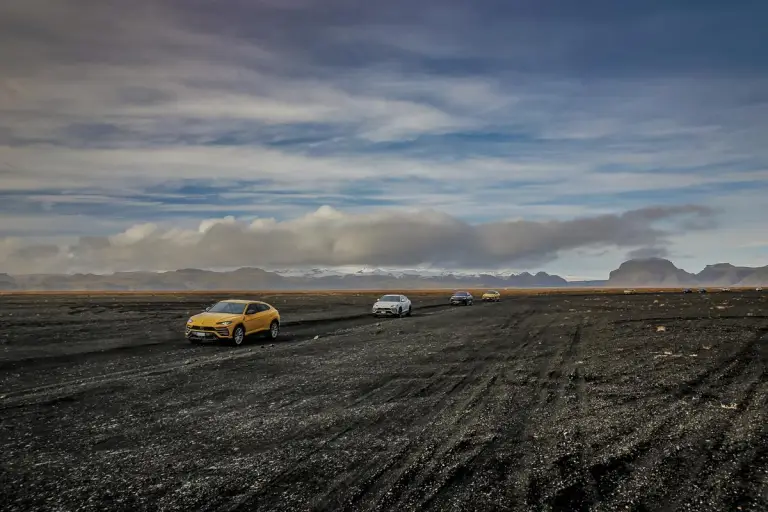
x=653, y=401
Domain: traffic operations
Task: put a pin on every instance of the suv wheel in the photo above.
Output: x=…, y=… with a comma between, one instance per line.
x=274, y=330
x=238, y=335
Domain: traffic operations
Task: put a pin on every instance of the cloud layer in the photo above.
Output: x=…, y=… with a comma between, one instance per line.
x=116, y=114
x=333, y=238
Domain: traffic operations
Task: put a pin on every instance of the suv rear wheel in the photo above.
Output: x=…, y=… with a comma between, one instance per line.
x=274, y=330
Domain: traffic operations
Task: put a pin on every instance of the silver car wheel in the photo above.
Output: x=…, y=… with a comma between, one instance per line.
x=239, y=335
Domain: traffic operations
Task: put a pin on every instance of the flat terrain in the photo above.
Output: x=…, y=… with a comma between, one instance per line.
x=541, y=402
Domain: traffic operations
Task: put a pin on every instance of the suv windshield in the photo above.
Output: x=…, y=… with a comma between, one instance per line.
x=390, y=298
x=235, y=308
x=460, y=294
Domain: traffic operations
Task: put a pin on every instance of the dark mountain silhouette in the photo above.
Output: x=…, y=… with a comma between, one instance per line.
x=758, y=277
x=659, y=272
x=724, y=274
x=650, y=272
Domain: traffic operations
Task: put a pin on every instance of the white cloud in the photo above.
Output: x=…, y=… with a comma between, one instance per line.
x=335, y=238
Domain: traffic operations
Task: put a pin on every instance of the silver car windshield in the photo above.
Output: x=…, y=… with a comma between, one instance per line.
x=390, y=298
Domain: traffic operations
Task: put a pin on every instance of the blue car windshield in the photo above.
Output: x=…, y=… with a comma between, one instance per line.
x=461, y=293
x=235, y=308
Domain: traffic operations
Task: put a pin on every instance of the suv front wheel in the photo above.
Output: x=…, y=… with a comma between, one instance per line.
x=238, y=335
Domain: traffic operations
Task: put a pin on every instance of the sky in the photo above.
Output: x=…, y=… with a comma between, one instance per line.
x=501, y=134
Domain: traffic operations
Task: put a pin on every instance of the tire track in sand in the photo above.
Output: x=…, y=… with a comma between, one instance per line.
x=452, y=388
x=698, y=428
x=389, y=479
x=561, y=398
x=456, y=390
x=69, y=390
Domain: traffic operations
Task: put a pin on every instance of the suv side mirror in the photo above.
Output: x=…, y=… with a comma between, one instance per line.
x=208, y=308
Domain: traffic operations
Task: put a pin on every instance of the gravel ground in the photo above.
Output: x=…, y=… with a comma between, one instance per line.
x=569, y=402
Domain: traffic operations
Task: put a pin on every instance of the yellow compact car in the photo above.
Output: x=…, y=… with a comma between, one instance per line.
x=491, y=296
x=233, y=320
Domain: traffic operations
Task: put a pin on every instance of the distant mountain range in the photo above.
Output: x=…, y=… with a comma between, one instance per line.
x=663, y=273
x=255, y=279
x=653, y=272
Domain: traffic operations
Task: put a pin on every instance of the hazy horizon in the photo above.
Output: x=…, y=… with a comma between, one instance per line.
x=309, y=273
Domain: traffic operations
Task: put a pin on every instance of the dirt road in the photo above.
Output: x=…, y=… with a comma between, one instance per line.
x=536, y=403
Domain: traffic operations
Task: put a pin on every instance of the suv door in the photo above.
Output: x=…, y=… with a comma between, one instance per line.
x=252, y=318
x=262, y=317
x=265, y=316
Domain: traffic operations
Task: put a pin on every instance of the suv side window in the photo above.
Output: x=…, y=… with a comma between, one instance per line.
x=252, y=309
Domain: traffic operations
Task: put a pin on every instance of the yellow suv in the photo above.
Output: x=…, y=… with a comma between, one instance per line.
x=233, y=320
x=491, y=296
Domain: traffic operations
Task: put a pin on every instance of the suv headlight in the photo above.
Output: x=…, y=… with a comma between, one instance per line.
x=189, y=321
x=226, y=322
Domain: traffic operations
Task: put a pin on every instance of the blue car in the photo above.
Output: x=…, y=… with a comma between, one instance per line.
x=464, y=298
